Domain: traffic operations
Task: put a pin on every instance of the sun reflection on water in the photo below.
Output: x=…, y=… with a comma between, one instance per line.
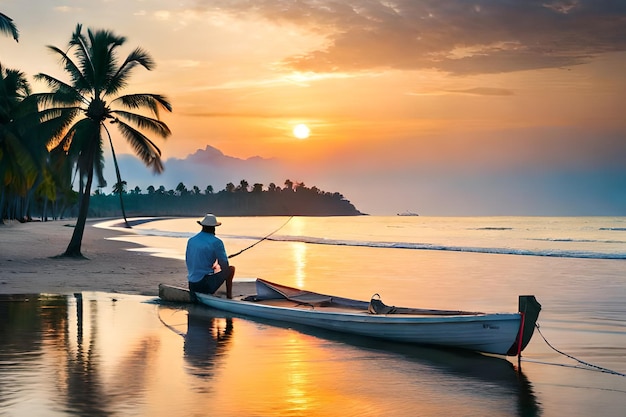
x=297, y=393
x=299, y=252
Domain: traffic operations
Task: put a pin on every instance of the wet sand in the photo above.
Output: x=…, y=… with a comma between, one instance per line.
x=28, y=262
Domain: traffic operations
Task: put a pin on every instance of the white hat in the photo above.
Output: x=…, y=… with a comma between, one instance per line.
x=209, y=220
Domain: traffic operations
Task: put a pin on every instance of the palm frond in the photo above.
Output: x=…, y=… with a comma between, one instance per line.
x=55, y=122
x=67, y=114
x=141, y=57
x=62, y=94
x=79, y=81
x=14, y=88
x=81, y=52
x=7, y=26
x=138, y=57
x=15, y=83
x=64, y=144
x=62, y=150
x=145, y=123
x=153, y=102
x=103, y=45
x=147, y=151
x=78, y=39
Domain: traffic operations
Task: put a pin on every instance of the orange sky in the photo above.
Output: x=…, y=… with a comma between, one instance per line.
x=424, y=89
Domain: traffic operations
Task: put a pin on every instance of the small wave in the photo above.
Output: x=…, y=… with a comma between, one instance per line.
x=163, y=233
x=579, y=240
x=614, y=229
x=493, y=228
x=185, y=235
x=428, y=246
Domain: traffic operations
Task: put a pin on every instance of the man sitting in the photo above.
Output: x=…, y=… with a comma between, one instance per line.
x=207, y=263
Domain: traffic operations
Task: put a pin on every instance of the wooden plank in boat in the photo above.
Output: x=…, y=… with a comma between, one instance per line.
x=174, y=294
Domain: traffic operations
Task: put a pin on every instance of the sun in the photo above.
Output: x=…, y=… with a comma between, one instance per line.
x=301, y=131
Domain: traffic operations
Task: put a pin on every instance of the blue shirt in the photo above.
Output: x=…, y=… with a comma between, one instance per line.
x=203, y=250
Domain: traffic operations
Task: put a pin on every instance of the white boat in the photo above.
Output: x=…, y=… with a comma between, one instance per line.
x=496, y=333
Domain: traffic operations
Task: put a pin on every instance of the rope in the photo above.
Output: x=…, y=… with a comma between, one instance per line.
x=256, y=243
x=596, y=367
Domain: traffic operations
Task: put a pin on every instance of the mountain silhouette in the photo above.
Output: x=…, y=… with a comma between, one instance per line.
x=208, y=166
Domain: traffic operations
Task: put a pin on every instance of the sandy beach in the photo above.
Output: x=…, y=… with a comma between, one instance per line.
x=28, y=264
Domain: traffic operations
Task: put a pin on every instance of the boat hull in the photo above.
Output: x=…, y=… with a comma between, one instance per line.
x=488, y=333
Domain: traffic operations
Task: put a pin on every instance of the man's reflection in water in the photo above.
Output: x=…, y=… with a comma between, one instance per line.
x=206, y=340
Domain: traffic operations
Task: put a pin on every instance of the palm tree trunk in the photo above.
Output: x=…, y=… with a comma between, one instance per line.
x=74, y=248
x=119, y=180
x=123, y=210
x=2, y=211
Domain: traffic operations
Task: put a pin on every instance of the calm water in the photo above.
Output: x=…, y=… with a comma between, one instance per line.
x=112, y=354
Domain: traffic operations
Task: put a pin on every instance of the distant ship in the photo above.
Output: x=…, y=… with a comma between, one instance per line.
x=408, y=213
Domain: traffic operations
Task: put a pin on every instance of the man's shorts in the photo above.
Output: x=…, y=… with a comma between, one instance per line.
x=209, y=283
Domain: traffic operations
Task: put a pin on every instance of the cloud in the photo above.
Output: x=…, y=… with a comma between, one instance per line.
x=484, y=91
x=455, y=36
x=66, y=9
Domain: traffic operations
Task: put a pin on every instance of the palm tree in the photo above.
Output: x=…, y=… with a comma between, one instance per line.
x=81, y=108
x=18, y=168
x=7, y=26
x=181, y=189
x=120, y=187
x=243, y=186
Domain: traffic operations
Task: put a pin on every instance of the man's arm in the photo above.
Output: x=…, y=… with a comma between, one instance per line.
x=220, y=253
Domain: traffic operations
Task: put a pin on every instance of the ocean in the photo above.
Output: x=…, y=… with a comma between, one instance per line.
x=168, y=360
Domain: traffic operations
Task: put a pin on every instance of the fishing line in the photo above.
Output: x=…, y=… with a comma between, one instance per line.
x=590, y=365
x=178, y=332
x=256, y=243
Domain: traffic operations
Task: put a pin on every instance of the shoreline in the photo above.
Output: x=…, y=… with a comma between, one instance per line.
x=28, y=264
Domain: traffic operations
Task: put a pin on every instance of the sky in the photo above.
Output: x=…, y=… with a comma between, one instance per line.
x=440, y=107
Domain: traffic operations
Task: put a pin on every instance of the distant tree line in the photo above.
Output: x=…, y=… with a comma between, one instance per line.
x=234, y=200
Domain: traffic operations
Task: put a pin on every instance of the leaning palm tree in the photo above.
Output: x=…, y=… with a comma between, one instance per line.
x=80, y=108
x=7, y=26
x=119, y=180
